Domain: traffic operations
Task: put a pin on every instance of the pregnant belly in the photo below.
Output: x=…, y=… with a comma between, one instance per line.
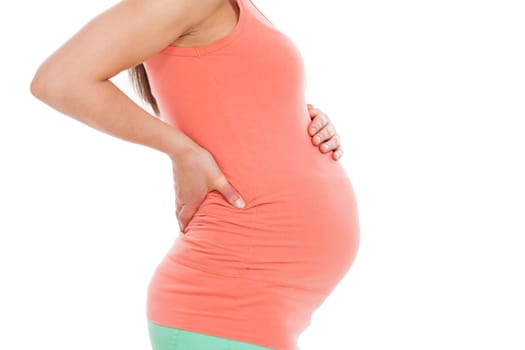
x=300, y=231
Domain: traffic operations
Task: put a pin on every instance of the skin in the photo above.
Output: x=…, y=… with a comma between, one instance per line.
x=74, y=80
x=323, y=133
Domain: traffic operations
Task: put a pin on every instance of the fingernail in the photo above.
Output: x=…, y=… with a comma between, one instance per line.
x=239, y=203
x=317, y=139
x=313, y=130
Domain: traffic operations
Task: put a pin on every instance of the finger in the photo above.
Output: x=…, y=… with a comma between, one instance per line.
x=185, y=215
x=338, y=153
x=226, y=189
x=309, y=106
x=330, y=145
x=325, y=134
x=313, y=112
x=319, y=122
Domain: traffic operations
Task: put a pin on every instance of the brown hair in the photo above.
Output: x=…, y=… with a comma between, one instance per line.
x=139, y=80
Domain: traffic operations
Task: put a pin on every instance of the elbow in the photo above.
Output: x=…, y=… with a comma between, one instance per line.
x=38, y=86
x=48, y=85
x=44, y=87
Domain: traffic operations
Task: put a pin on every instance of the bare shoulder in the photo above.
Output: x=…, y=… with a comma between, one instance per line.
x=125, y=35
x=185, y=14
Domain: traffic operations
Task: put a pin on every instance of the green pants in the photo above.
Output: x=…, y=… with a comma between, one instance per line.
x=168, y=338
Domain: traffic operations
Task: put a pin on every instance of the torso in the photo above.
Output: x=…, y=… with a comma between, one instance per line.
x=254, y=274
x=217, y=25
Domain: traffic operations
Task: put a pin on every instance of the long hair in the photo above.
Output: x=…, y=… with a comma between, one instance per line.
x=139, y=80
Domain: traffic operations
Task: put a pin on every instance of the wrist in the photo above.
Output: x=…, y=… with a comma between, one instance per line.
x=181, y=147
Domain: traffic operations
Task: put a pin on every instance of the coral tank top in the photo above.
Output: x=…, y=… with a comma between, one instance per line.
x=253, y=274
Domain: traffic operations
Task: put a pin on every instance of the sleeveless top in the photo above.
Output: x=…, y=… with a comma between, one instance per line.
x=253, y=274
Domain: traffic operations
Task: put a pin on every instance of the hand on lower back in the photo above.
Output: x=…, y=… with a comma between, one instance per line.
x=195, y=174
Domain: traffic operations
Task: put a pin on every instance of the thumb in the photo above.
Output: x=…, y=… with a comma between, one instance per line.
x=226, y=189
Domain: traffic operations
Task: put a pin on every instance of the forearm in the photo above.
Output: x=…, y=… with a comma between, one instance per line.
x=103, y=106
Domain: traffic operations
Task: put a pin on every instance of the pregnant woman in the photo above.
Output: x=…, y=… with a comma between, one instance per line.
x=268, y=224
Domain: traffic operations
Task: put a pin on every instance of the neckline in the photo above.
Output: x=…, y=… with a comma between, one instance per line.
x=221, y=42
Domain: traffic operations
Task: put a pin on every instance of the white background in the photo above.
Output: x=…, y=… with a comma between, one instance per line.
x=428, y=97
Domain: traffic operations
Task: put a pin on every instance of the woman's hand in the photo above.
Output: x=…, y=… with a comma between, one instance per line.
x=323, y=133
x=195, y=174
